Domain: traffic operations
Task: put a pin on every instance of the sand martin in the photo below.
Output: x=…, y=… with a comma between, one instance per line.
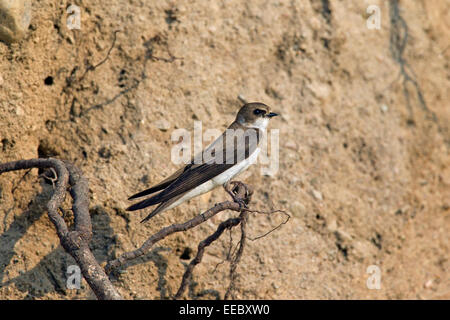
x=231, y=153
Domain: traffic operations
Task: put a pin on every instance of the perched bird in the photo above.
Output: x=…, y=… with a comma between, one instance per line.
x=231, y=153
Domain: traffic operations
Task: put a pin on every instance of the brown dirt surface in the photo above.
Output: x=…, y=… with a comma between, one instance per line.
x=364, y=143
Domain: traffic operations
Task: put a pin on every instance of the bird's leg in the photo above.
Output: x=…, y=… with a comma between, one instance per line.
x=232, y=188
x=228, y=188
x=248, y=193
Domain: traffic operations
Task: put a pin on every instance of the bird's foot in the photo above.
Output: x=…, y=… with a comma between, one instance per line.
x=232, y=188
x=242, y=203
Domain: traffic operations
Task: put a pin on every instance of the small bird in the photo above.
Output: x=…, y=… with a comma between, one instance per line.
x=231, y=153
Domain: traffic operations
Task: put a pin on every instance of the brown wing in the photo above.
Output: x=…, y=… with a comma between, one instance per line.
x=160, y=186
x=187, y=181
x=196, y=174
x=161, y=207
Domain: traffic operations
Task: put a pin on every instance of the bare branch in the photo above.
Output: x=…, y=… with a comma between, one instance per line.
x=228, y=224
x=163, y=233
x=76, y=242
x=237, y=257
x=241, y=194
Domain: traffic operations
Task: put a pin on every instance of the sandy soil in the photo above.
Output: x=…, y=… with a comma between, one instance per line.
x=364, y=142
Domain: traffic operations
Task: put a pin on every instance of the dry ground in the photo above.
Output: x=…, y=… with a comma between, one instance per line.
x=364, y=142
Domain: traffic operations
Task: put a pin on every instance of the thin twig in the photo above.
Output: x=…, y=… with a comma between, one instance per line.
x=241, y=194
x=201, y=249
x=237, y=257
x=272, y=230
x=93, y=67
x=21, y=179
x=229, y=253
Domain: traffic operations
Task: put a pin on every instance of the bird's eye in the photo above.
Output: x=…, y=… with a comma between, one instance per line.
x=259, y=111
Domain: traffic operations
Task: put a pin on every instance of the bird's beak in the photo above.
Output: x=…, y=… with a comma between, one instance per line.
x=272, y=114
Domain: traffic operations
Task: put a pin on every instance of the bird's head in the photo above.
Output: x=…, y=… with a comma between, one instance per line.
x=255, y=115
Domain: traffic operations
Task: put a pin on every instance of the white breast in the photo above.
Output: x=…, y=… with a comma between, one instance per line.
x=260, y=123
x=236, y=169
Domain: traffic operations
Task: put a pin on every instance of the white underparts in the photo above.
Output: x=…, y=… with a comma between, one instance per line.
x=224, y=177
x=260, y=123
